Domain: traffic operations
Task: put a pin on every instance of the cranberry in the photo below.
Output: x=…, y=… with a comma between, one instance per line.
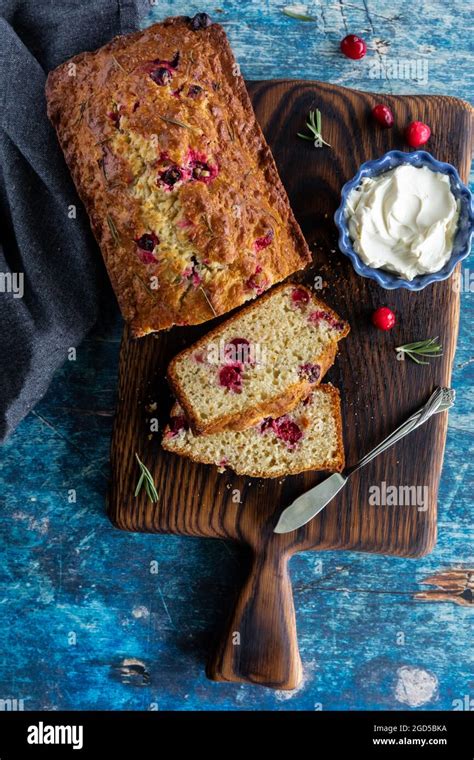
x=383, y=116
x=201, y=171
x=417, y=134
x=257, y=281
x=317, y=316
x=287, y=430
x=194, y=91
x=146, y=245
x=308, y=400
x=230, y=377
x=199, y=168
x=353, y=46
x=147, y=241
x=238, y=350
x=161, y=75
x=300, y=297
x=192, y=272
x=114, y=116
x=310, y=371
x=200, y=21
x=264, y=241
x=383, y=318
x=171, y=176
x=177, y=424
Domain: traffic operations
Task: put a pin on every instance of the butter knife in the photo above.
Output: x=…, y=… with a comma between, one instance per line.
x=309, y=504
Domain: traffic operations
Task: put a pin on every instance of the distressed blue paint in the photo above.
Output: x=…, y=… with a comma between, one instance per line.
x=66, y=570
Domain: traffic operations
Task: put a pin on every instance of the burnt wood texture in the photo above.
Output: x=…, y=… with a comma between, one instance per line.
x=378, y=391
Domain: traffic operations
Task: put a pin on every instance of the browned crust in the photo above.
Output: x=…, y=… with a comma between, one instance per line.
x=277, y=406
x=337, y=466
x=96, y=77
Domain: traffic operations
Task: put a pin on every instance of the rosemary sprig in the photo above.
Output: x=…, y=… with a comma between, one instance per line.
x=177, y=123
x=148, y=290
x=427, y=348
x=146, y=479
x=314, y=125
x=113, y=230
x=118, y=64
x=292, y=12
x=208, y=301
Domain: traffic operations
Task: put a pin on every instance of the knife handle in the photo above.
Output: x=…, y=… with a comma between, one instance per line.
x=260, y=644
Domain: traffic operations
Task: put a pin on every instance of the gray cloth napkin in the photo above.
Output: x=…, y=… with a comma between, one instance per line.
x=52, y=280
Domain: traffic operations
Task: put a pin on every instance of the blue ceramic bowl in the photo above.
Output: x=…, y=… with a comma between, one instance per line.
x=462, y=240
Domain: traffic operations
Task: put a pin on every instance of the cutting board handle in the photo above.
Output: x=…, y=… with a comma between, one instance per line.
x=260, y=644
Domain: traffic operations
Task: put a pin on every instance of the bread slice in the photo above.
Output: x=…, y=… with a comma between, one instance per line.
x=259, y=363
x=308, y=438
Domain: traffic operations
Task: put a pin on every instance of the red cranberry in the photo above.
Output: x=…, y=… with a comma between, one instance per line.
x=177, y=424
x=146, y=245
x=317, y=316
x=257, y=281
x=417, y=134
x=383, y=318
x=300, y=297
x=383, y=116
x=147, y=241
x=114, y=116
x=264, y=241
x=171, y=176
x=310, y=371
x=199, y=168
x=192, y=272
x=161, y=75
x=194, y=91
x=238, y=350
x=353, y=46
x=201, y=171
x=200, y=21
x=287, y=430
x=230, y=377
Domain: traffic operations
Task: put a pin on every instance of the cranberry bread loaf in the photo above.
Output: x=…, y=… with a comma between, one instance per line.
x=260, y=362
x=181, y=189
x=308, y=438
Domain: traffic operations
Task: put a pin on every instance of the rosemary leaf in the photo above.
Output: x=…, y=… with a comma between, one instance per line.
x=293, y=13
x=313, y=123
x=113, y=229
x=208, y=301
x=148, y=290
x=147, y=479
x=118, y=64
x=177, y=122
x=428, y=349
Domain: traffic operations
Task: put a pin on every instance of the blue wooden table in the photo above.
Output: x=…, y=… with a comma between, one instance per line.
x=97, y=619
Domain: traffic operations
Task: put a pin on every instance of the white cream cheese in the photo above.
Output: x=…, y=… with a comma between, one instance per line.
x=404, y=220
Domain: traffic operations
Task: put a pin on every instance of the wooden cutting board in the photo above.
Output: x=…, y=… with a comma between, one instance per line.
x=378, y=391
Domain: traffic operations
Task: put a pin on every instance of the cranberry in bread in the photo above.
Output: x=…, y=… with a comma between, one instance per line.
x=260, y=362
x=307, y=438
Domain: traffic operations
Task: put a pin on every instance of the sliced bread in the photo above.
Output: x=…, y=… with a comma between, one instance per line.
x=308, y=438
x=259, y=363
